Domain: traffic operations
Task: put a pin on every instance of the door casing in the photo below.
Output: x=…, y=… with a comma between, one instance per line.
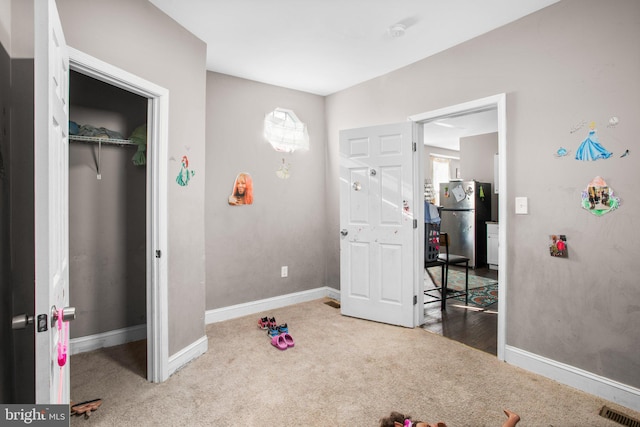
x=157, y=254
x=499, y=102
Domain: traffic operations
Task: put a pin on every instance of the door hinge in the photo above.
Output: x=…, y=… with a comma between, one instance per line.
x=415, y=299
x=158, y=254
x=415, y=223
x=415, y=147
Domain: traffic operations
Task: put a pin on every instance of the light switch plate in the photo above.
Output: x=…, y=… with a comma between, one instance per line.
x=522, y=206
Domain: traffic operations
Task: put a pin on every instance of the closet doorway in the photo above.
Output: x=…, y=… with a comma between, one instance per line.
x=107, y=215
x=117, y=213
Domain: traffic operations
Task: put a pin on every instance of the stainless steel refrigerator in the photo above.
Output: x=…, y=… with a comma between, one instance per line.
x=465, y=208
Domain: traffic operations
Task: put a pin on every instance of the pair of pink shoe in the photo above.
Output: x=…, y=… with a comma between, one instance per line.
x=282, y=341
x=267, y=322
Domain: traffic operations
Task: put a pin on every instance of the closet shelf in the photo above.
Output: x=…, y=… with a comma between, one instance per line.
x=113, y=141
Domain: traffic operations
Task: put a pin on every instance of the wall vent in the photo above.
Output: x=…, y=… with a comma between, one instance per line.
x=336, y=304
x=618, y=417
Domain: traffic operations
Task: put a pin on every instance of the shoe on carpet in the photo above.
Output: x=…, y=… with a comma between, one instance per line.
x=263, y=323
x=279, y=342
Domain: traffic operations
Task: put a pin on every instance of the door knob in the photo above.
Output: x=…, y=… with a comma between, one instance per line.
x=344, y=231
x=68, y=314
x=21, y=321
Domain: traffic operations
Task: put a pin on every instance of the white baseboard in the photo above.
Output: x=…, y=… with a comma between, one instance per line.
x=107, y=339
x=588, y=382
x=248, y=308
x=187, y=354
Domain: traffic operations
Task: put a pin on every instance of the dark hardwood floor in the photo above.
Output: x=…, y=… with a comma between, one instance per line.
x=475, y=327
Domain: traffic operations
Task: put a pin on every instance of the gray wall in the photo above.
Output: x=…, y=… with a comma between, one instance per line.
x=6, y=354
x=137, y=37
x=17, y=31
x=107, y=217
x=573, y=61
x=476, y=162
x=22, y=220
x=247, y=245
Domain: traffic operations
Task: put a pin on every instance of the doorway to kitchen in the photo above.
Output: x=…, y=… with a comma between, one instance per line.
x=480, y=327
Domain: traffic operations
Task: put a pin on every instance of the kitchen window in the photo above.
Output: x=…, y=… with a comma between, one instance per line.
x=440, y=172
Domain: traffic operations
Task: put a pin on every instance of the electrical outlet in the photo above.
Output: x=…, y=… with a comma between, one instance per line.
x=284, y=271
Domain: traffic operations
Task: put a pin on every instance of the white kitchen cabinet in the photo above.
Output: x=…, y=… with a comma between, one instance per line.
x=492, y=245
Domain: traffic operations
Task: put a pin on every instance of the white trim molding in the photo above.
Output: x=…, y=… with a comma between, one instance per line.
x=157, y=205
x=107, y=339
x=499, y=102
x=588, y=382
x=253, y=307
x=187, y=354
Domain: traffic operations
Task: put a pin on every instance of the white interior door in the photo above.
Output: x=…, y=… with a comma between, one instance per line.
x=377, y=212
x=51, y=121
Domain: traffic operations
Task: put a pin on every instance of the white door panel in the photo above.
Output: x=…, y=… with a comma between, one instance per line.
x=376, y=215
x=51, y=124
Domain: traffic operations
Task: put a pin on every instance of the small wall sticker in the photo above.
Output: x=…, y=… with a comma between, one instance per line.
x=185, y=175
x=575, y=128
x=283, y=171
x=558, y=245
x=598, y=197
x=242, y=193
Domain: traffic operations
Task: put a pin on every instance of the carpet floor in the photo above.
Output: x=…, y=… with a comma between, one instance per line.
x=342, y=371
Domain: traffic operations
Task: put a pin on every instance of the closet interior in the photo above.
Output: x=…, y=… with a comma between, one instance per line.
x=107, y=212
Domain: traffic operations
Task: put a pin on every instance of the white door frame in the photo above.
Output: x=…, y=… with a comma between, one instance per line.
x=499, y=102
x=157, y=254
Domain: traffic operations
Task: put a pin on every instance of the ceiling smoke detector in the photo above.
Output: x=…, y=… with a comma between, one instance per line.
x=397, y=30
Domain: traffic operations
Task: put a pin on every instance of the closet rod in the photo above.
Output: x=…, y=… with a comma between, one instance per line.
x=93, y=139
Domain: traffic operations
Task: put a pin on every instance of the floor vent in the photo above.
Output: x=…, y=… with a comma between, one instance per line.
x=619, y=417
x=336, y=304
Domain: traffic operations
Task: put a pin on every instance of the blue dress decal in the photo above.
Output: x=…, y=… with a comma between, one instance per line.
x=591, y=149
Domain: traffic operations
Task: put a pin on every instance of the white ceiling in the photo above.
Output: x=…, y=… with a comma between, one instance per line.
x=324, y=46
x=446, y=132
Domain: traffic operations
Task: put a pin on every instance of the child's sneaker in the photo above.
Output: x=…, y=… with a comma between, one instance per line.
x=264, y=323
x=283, y=328
x=272, y=332
x=272, y=322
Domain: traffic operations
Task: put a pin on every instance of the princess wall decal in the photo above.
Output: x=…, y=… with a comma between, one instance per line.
x=185, y=175
x=590, y=148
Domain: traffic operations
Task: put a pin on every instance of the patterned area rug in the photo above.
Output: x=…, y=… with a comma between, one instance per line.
x=456, y=279
x=483, y=296
x=482, y=291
